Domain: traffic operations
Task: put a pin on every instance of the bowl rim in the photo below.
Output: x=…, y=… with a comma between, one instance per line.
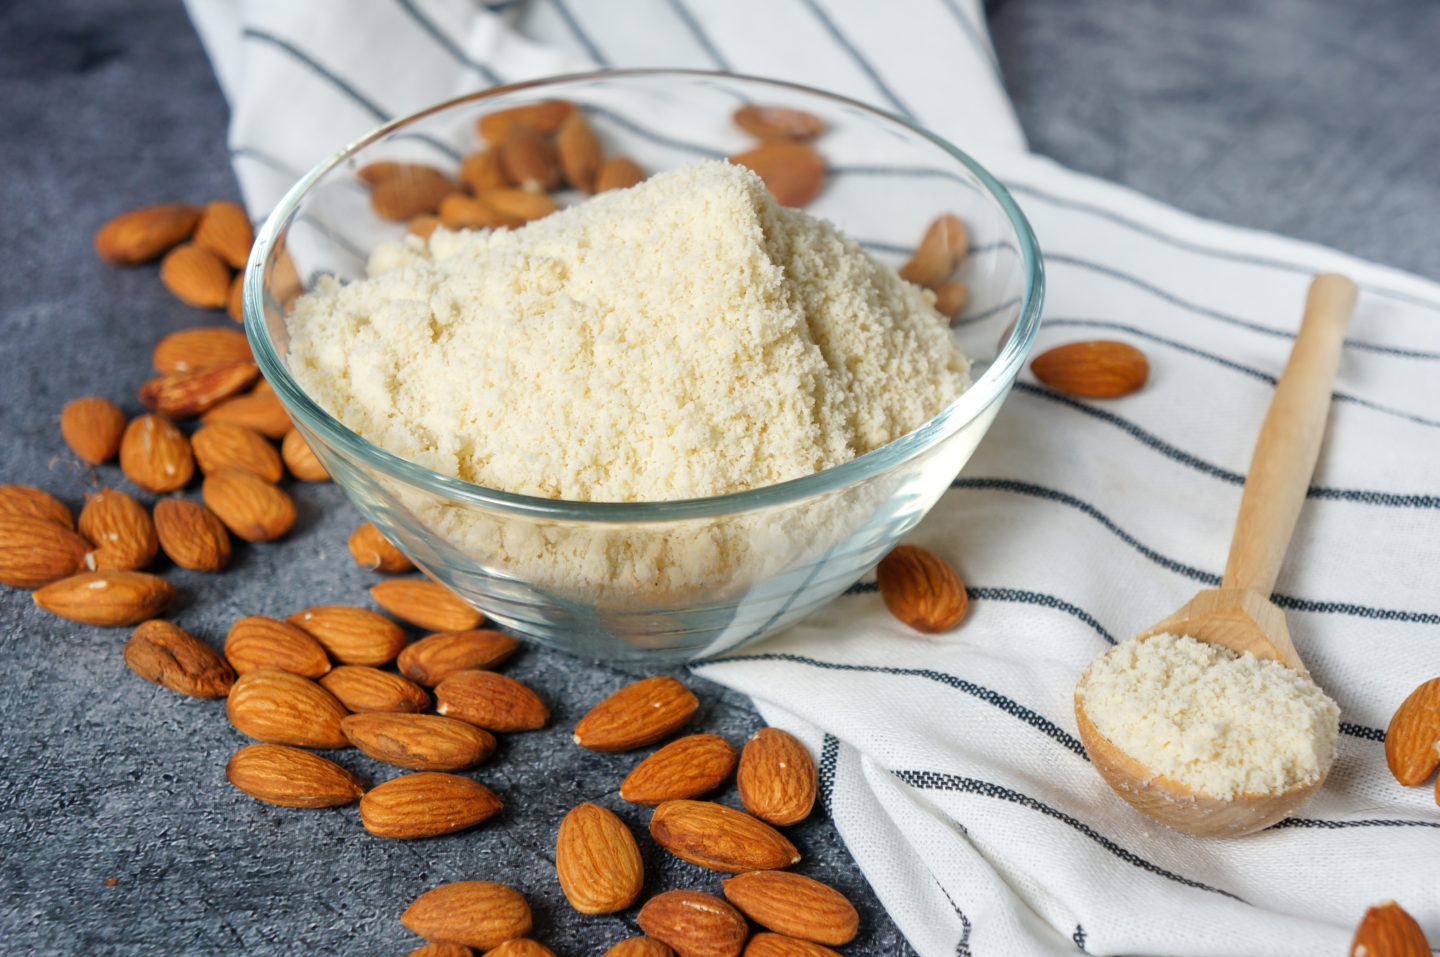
x=991, y=386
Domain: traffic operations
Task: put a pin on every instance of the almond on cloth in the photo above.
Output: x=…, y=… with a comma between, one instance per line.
x=436, y=657
x=921, y=589
x=578, y=149
x=544, y=117
x=618, y=172
x=249, y=506
x=141, y=235
x=777, y=778
x=778, y=122
x=481, y=171
x=353, y=636
x=300, y=459
x=183, y=395
x=426, y=804
x=410, y=191
x=121, y=530
x=478, y=914
x=795, y=905
x=694, y=923
x=278, y=707
x=1101, y=369
x=945, y=243
x=107, y=598
x=222, y=445
x=172, y=657
x=192, y=535
x=196, y=276
x=201, y=347
x=685, y=768
x=427, y=604
x=490, y=701
x=363, y=688
x=1388, y=931
x=719, y=837
x=290, y=777
x=639, y=947
x=36, y=552
x=793, y=172
x=598, y=861
x=373, y=551
x=1412, y=741
x=441, y=950
x=766, y=944
x=256, y=409
x=27, y=501
x=225, y=230
x=638, y=714
x=155, y=455
x=420, y=742
x=528, y=159
x=256, y=642
x=92, y=427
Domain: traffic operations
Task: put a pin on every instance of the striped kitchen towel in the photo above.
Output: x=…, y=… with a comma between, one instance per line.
x=950, y=763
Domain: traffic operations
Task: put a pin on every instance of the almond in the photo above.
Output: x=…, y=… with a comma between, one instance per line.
x=142, y=234
x=256, y=642
x=181, y=395
x=945, y=243
x=528, y=159
x=92, y=427
x=579, y=151
x=258, y=410
x=235, y=298
x=618, y=172
x=225, y=230
x=373, y=173
x=638, y=714
x=777, y=778
x=490, y=701
x=192, y=535
x=35, y=552
x=291, y=777
x=473, y=913
x=793, y=172
x=160, y=652
x=155, y=455
x=1102, y=369
x=794, y=904
x=27, y=501
x=921, y=590
x=481, y=171
x=441, y=950
x=435, y=657
x=425, y=603
x=196, y=276
x=223, y=445
x=354, y=636
x=426, y=804
x=1412, y=741
x=518, y=204
x=410, y=191
x=190, y=350
x=107, y=598
x=720, y=838
x=363, y=688
x=422, y=226
x=249, y=506
x=694, y=923
x=1388, y=931
x=458, y=211
x=281, y=708
x=121, y=530
x=301, y=459
x=950, y=299
x=374, y=552
x=598, y=861
x=523, y=947
x=685, y=768
x=421, y=742
x=544, y=117
x=639, y=947
x=778, y=945
x=778, y=122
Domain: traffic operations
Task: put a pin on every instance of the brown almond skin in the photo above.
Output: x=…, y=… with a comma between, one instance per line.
x=184, y=395
x=441, y=950
x=1100, y=369
x=192, y=535
x=427, y=604
x=280, y=708
x=92, y=427
x=795, y=905
x=353, y=636
x=373, y=551
x=545, y=117
x=196, y=276
x=200, y=347
x=490, y=701
x=524, y=947
x=686, y=768
x=618, y=172
x=1413, y=735
x=481, y=171
x=921, y=589
x=256, y=642
x=777, y=778
x=426, y=804
x=1387, y=930
x=778, y=122
x=459, y=211
x=36, y=552
x=411, y=191
x=27, y=501
x=950, y=299
x=363, y=688
x=436, y=657
x=225, y=230
x=695, y=924
x=578, y=149
x=478, y=914
x=598, y=861
x=221, y=445
x=256, y=409
x=420, y=742
x=141, y=235
x=638, y=714
x=793, y=172
x=107, y=598
x=766, y=944
x=169, y=656
x=518, y=204
x=719, y=837
x=290, y=777
x=945, y=243
x=639, y=947
x=528, y=159
x=235, y=298
x=121, y=530
x=155, y=455
x=249, y=506
x=300, y=459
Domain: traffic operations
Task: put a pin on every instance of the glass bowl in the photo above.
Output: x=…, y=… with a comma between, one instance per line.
x=673, y=580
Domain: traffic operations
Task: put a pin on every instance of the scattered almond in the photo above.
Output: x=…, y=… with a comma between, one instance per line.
x=27, y=501
x=141, y=235
x=196, y=276
x=766, y=944
x=579, y=152
x=92, y=427
x=192, y=535
x=421, y=742
x=490, y=701
x=481, y=171
x=639, y=947
x=719, y=837
x=778, y=122
x=181, y=395
x=1102, y=369
x=598, y=861
x=795, y=905
x=107, y=598
x=638, y=714
x=434, y=658
x=291, y=777
x=528, y=159
x=222, y=445
x=249, y=506
x=354, y=636
x=281, y=708
x=695, y=924
x=256, y=642
x=950, y=299
x=518, y=203
x=36, y=552
x=921, y=589
x=190, y=350
x=373, y=551
x=363, y=688
x=1412, y=741
x=301, y=459
x=120, y=529
x=235, y=298
x=155, y=455
x=545, y=117
x=411, y=190
x=425, y=603
x=169, y=656
x=258, y=409
x=944, y=244
x=685, y=768
x=777, y=778
x=1388, y=931
x=225, y=230
x=793, y=172
x=473, y=913
x=426, y=804
x=618, y=172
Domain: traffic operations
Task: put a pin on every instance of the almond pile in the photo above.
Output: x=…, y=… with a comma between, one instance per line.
x=203, y=249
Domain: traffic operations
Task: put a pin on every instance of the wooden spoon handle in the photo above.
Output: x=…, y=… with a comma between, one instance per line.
x=1289, y=440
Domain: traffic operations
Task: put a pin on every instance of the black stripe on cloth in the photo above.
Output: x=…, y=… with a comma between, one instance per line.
x=683, y=13
x=1078, y=938
x=931, y=781
x=451, y=47
x=987, y=313
x=825, y=773
x=972, y=33
x=579, y=33
x=1318, y=824
x=1017, y=595
x=1360, y=731
x=865, y=66
x=962, y=949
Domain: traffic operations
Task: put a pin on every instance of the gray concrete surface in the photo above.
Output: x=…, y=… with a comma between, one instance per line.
x=1308, y=118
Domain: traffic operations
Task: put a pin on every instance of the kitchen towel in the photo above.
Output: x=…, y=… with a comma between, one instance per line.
x=950, y=764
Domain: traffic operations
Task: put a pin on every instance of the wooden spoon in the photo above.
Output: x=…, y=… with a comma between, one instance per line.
x=1239, y=614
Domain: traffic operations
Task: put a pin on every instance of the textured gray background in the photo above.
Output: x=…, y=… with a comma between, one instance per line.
x=1312, y=118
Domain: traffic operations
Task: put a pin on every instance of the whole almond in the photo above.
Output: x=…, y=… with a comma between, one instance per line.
x=280, y=708
x=1101, y=369
x=1412, y=741
x=256, y=642
x=291, y=777
x=490, y=701
x=196, y=276
x=950, y=299
x=638, y=714
x=92, y=427
x=222, y=445
x=300, y=459
x=598, y=861
x=181, y=395
x=27, y=501
x=518, y=204
x=36, y=552
x=579, y=151
x=354, y=636
x=427, y=604
x=523, y=947
x=921, y=589
x=192, y=535
x=373, y=551
x=225, y=230
x=121, y=530
x=363, y=688
x=235, y=298
x=481, y=171
x=434, y=658
x=777, y=778
x=155, y=455
x=695, y=924
x=639, y=947
x=685, y=768
x=371, y=174
x=410, y=191
x=169, y=656
x=766, y=944
x=426, y=804
x=778, y=122
x=421, y=742
x=945, y=243
x=141, y=235
x=719, y=837
x=201, y=347
x=794, y=904
x=107, y=598
x=258, y=409
x=473, y=913
x=441, y=950
x=545, y=117
x=459, y=211
x=249, y=506
x=1388, y=931
x=793, y=172
x=528, y=159
x=618, y=172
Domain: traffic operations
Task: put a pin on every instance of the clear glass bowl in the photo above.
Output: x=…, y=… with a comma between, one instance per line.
x=665, y=581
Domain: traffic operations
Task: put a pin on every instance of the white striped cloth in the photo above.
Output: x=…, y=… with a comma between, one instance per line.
x=950, y=764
